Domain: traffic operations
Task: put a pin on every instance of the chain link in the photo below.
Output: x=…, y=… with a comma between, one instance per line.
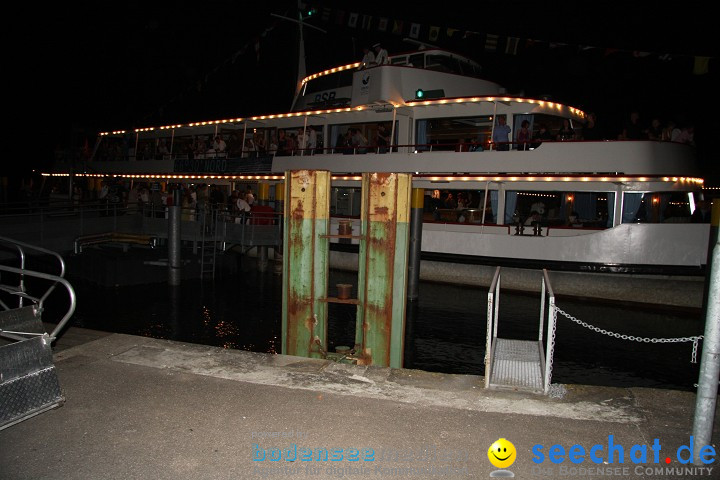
x=551, y=336
x=633, y=338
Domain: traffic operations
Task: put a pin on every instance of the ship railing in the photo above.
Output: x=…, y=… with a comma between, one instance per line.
x=66, y=227
x=462, y=146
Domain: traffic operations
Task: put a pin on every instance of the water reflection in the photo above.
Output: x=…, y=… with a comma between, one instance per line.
x=445, y=329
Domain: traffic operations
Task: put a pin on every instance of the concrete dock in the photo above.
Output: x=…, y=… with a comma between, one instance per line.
x=142, y=408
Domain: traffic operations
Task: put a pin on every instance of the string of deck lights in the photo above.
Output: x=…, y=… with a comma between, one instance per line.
x=443, y=101
x=452, y=178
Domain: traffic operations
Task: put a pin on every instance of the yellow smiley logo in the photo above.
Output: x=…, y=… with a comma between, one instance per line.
x=501, y=453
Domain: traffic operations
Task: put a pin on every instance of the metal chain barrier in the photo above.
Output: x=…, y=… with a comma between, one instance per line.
x=551, y=343
x=633, y=338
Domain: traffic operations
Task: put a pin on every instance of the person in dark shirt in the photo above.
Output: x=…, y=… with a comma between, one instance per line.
x=543, y=135
x=566, y=132
x=633, y=129
x=591, y=130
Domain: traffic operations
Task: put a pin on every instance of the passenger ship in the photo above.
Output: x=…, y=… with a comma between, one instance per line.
x=430, y=113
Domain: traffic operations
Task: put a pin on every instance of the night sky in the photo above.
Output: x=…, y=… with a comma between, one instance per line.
x=97, y=66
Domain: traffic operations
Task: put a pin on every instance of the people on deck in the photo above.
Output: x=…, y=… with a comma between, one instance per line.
x=381, y=55
x=523, y=136
x=633, y=130
x=501, y=134
x=565, y=132
x=591, y=130
x=368, y=59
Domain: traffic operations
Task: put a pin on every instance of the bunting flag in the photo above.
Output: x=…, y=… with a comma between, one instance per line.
x=326, y=14
x=701, y=65
x=397, y=27
x=352, y=20
x=434, y=33
x=339, y=17
x=383, y=24
x=450, y=32
x=414, y=31
x=491, y=42
x=366, y=22
x=511, y=47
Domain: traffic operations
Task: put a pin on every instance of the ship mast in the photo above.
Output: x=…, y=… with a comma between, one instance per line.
x=302, y=70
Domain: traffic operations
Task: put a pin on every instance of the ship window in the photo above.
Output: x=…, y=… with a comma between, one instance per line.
x=556, y=208
x=656, y=207
x=451, y=133
x=442, y=63
x=346, y=202
x=552, y=123
x=417, y=60
x=401, y=60
x=370, y=138
x=329, y=82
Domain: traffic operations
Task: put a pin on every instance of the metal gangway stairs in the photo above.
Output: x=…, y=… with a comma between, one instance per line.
x=520, y=364
x=28, y=380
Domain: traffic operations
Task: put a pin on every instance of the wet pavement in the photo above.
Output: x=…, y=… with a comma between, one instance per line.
x=138, y=407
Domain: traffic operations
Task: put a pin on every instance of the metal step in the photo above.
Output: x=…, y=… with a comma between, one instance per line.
x=516, y=364
x=28, y=380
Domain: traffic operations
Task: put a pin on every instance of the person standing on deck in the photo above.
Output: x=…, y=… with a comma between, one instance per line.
x=501, y=134
x=381, y=55
x=368, y=59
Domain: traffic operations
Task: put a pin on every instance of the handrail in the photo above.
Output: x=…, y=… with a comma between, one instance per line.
x=551, y=319
x=56, y=280
x=491, y=332
x=20, y=245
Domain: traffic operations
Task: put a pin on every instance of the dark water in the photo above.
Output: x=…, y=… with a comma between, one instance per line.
x=445, y=333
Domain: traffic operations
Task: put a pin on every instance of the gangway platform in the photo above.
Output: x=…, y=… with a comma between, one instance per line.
x=519, y=364
x=516, y=363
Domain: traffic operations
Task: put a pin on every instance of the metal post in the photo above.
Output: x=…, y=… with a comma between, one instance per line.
x=305, y=263
x=304, y=144
x=713, y=238
x=492, y=128
x=174, y=242
x=416, y=225
x=263, y=196
x=392, y=130
x=482, y=221
x=710, y=360
x=279, y=207
x=382, y=279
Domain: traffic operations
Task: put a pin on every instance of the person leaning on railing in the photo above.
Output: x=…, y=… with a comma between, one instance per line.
x=501, y=134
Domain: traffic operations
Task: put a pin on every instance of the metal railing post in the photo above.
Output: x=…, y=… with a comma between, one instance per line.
x=550, y=351
x=709, y=365
x=542, y=307
x=491, y=320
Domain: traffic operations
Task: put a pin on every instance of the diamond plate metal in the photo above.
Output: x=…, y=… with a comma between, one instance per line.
x=28, y=380
x=517, y=364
